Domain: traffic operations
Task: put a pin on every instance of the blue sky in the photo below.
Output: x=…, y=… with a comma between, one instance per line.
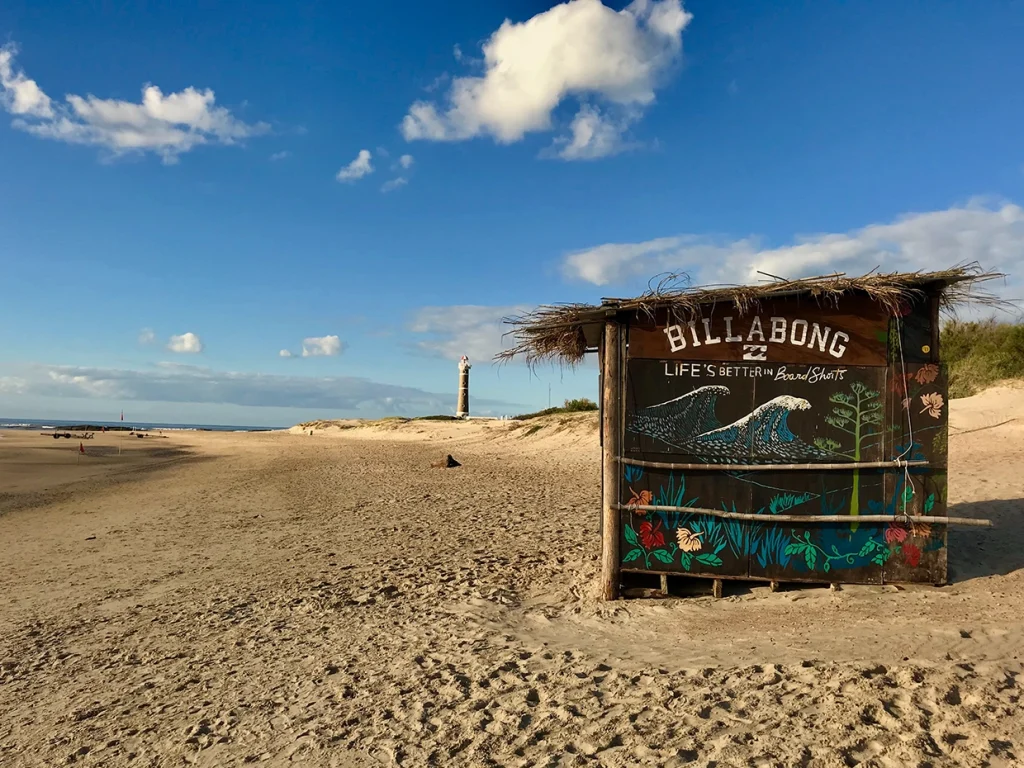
x=402, y=175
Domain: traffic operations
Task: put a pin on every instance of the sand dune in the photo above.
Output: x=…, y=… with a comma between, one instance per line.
x=329, y=599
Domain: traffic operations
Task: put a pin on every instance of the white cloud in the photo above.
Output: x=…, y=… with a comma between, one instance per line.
x=286, y=353
x=146, y=336
x=282, y=155
x=578, y=49
x=322, y=346
x=20, y=95
x=166, y=125
x=391, y=186
x=358, y=168
x=186, y=343
x=990, y=235
x=406, y=161
x=176, y=383
x=471, y=330
x=593, y=135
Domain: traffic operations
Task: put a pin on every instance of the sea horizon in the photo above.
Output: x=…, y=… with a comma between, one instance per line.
x=146, y=426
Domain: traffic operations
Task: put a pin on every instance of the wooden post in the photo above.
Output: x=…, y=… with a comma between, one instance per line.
x=717, y=588
x=611, y=431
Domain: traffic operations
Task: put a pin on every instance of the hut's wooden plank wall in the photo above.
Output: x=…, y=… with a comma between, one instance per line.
x=792, y=382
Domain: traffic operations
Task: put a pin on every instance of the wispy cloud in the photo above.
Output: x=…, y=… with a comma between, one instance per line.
x=285, y=353
x=167, y=125
x=579, y=49
x=186, y=343
x=282, y=155
x=147, y=336
x=406, y=161
x=450, y=332
x=992, y=235
x=176, y=383
x=391, y=186
x=358, y=168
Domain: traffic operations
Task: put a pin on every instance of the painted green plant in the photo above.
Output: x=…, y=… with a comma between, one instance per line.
x=858, y=414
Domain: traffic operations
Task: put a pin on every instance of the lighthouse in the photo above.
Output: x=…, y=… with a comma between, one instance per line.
x=462, y=411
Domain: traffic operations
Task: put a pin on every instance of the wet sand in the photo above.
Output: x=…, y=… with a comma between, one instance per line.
x=332, y=600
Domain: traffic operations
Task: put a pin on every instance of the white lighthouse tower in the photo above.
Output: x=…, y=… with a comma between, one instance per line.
x=462, y=411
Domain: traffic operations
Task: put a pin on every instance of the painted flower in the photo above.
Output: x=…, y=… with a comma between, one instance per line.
x=898, y=385
x=902, y=308
x=651, y=536
x=906, y=403
x=926, y=374
x=932, y=403
x=895, y=534
x=911, y=555
x=689, y=541
x=924, y=530
x=642, y=499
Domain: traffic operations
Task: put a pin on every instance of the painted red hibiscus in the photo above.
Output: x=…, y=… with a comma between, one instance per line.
x=651, y=536
x=895, y=534
x=911, y=555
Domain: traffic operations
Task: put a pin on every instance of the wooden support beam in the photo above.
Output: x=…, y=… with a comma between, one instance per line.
x=664, y=583
x=769, y=518
x=774, y=586
x=820, y=467
x=611, y=432
x=717, y=588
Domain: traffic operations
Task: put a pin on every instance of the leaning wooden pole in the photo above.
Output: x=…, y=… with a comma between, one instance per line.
x=611, y=430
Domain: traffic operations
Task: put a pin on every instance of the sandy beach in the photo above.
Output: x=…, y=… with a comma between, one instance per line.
x=220, y=599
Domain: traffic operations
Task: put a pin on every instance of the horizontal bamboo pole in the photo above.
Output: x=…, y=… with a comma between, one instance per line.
x=896, y=464
x=930, y=519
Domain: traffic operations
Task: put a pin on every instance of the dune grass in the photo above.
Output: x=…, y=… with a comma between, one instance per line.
x=979, y=354
x=577, y=405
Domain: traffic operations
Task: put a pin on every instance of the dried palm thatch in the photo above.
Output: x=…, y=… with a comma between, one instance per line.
x=556, y=332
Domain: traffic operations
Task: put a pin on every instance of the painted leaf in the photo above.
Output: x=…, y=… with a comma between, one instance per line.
x=686, y=559
x=632, y=555
x=929, y=503
x=630, y=535
x=663, y=555
x=811, y=557
x=827, y=567
x=709, y=559
x=868, y=547
x=795, y=549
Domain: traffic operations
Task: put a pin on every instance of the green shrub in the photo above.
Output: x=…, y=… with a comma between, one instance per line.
x=577, y=405
x=979, y=354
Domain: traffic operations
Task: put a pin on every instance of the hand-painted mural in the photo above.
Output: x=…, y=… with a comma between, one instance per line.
x=715, y=413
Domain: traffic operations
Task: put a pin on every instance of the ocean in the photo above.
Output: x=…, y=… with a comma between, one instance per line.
x=145, y=426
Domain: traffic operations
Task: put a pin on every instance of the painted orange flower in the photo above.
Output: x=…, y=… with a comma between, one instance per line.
x=689, y=541
x=924, y=530
x=642, y=499
x=932, y=403
x=911, y=555
x=906, y=403
x=926, y=374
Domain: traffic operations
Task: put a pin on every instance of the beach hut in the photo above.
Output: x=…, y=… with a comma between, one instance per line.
x=791, y=431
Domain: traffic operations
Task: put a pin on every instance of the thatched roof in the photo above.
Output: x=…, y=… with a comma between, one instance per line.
x=560, y=332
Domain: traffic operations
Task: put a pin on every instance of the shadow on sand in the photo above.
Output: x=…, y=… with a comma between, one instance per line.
x=996, y=551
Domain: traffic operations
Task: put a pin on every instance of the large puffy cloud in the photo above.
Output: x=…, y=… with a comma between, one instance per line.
x=990, y=235
x=176, y=383
x=578, y=49
x=167, y=125
x=451, y=332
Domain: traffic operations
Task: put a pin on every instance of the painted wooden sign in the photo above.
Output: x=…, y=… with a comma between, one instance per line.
x=784, y=330
x=779, y=412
